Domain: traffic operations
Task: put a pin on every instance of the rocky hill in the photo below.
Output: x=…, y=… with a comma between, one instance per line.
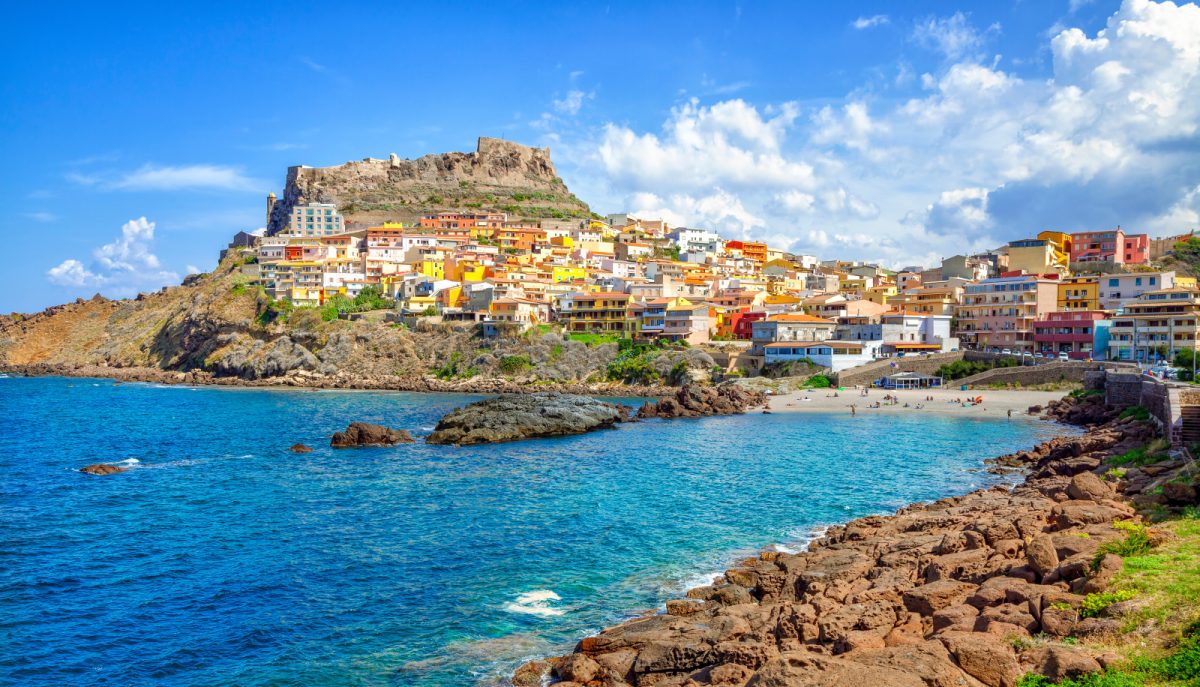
x=499, y=175
x=221, y=328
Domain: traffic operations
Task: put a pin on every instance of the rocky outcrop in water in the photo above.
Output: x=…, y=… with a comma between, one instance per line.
x=698, y=401
x=933, y=596
x=512, y=418
x=300, y=448
x=364, y=434
x=102, y=469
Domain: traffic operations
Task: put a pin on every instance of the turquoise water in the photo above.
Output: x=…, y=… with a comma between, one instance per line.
x=223, y=559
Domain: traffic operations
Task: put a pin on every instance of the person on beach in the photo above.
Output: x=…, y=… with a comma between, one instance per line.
x=851, y=410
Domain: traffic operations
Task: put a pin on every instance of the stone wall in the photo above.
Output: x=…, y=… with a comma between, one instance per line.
x=1030, y=375
x=1123, y=389
x=922, y=364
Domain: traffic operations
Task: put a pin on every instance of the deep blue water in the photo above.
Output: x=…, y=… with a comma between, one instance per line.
x=224, y=559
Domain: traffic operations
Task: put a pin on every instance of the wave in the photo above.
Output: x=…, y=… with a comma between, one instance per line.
x=127, y=463
x=536, y=603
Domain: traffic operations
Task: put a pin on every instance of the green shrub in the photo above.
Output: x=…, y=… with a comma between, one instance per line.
x=1135, y=543
x=1094, y=604
x=514, y=364
x=818, y=382
x=1149, y=454
x=1135, y=412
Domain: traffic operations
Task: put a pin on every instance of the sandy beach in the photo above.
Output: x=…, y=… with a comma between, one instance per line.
x=945, y=401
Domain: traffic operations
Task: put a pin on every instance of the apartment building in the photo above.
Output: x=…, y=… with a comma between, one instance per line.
x=1156, y=325
x=998, y=313
x=316, y=219
x=604, y=312
x=1117, y=289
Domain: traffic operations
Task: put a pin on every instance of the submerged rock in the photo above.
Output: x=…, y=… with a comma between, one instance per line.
x=365, y=434
x=512, y=418
x=300, y=448
x=102, y=469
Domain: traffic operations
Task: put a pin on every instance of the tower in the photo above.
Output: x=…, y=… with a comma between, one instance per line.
x=270, y=207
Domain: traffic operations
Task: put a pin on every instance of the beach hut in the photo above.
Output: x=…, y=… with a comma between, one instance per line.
x=911, y=380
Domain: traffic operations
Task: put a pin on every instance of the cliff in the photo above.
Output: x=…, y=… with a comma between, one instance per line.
x=500, y=175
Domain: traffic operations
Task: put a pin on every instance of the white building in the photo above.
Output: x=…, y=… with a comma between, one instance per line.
x=835, y=355
x=1116, y=289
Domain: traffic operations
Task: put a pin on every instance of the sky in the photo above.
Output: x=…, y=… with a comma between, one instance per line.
x=137, y=141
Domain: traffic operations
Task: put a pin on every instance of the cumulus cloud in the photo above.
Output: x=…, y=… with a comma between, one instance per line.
x=124, y=265
x=867, y=22
x=171, y=178
x=979, y=156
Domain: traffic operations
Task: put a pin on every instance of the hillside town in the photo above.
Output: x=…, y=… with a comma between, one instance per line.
x=1094, y=295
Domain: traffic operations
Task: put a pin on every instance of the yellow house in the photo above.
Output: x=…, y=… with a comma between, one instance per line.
x=560, y=273
x=1079, y=293
x=880, y=294
x=563, y=242
x=1185, y=282
x=434, y=269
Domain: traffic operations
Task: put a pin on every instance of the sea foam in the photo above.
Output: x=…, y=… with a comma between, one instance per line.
x=536, y=603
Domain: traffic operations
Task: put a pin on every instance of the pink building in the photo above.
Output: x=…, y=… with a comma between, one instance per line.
x=1110, y=246
x=1078, y=333
x=998, y=313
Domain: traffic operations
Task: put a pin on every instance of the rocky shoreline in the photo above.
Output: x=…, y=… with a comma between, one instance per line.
x=943, y=594
x=304, y=379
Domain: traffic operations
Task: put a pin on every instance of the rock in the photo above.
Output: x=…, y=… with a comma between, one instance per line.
x=985, y=657
x=1041, y=554
x=577, y=668
x=960, y=617
x=365, y=434
x=1083, y=513
x=1179, y=493
x=697, y=401
x=928, y=660
x=1087, y=486
x=729, y=675
x=517, y=417
x=1059, y=662
x=531, y=674
x=1096, y=627
x=300, y=448
x=1100, y=578
x=803, y=669
x=937, y=595
x=102, y=469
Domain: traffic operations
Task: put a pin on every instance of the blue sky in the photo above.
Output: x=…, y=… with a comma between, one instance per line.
x=891, y=132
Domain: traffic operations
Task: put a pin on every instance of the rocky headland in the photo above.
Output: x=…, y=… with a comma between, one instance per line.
x=944, y=594
x=513, y=418
x=691, y=400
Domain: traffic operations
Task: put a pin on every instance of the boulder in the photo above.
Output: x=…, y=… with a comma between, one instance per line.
x=803, y=669
x=934, y=596
x=365, y=434
x=1059, y=662
x=300, y=448
x=517, y=417
x=577, y=668
x=531, y=674
x=1179, y=493
x=698, y=401
x=102, y=469
x=985, y=657
x=1041, y=554
x=1086, y=486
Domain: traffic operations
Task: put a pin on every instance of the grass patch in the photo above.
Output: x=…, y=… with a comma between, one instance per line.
x=594, y=339
x=1135, y=543
x=514, y=364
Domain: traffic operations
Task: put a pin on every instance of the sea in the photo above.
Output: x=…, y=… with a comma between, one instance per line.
x=222, y=558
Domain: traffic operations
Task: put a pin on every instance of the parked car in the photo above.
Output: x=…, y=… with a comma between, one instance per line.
x=1006, y=351
x=1063, y=356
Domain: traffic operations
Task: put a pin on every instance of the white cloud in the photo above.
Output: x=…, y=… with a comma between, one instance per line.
x=124, y=265
x=953, y=36
x=573, y=102
x=41, y=216
x=980, y=157
x=71, y=272
x=867, y=22
x=171, y=178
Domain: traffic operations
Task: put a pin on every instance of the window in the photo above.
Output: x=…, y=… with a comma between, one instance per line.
x=1114, y=282
x=1152, y=280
